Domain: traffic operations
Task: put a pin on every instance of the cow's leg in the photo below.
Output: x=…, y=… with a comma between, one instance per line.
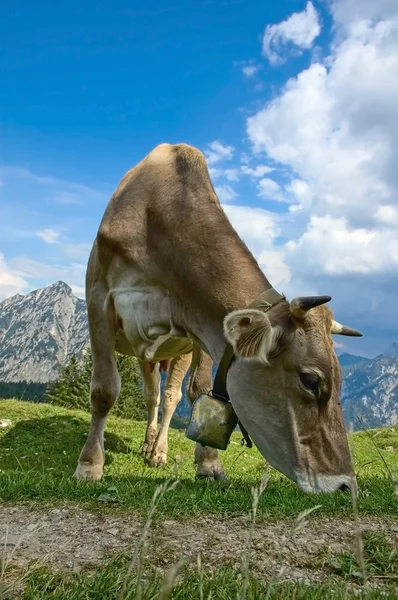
x=207, y=460
x=178, y=368
x=105, y=384
x=151, y=389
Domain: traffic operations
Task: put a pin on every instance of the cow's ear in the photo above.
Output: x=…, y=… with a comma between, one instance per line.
x=250, y=333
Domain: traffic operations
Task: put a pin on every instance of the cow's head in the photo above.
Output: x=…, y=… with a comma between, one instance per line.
x=284, y=385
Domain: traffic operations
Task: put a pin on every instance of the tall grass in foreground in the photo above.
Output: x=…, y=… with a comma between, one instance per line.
x=369, y=571
x=127, y=578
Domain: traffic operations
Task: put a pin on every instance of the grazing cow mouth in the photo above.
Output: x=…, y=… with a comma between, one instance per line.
x=327, y=484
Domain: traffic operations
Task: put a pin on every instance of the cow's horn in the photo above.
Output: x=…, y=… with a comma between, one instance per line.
x=301, y=305
x=343, y=330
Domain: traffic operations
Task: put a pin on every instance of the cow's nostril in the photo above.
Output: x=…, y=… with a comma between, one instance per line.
x=344, y=487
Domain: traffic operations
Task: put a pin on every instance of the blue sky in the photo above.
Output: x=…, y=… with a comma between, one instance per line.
x=293, y=103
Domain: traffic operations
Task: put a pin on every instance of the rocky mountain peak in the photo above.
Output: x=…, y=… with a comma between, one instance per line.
x=40, y=331
x=392, y=350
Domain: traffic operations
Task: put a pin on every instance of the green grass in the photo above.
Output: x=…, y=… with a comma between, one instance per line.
x=380, y=555
x=223, y=584
x=38, y=456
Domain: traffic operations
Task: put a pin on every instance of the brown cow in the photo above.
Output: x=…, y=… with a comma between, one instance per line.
x=168, y=274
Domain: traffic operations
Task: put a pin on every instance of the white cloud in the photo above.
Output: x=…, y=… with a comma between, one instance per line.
x=387, y=215
x=225, y=193
x=44, y=274
x=79, y=291
x=274, y=267
x=256, y=226
x=217, y=152
x=250, y=70
x=230, y=174
x=268, y=189
x=258, y=171
x=346, y=12
x=334, y=129
x=11, y=282
x=331, y=135
x=50, y=236
x=331, y=247
x=300, y=29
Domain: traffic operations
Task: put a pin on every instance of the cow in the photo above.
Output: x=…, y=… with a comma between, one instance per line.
x=168, y=275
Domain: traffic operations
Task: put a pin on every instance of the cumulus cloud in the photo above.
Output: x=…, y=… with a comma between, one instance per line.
x=45, y=273
x=258, y=227
x=225, y=193
x=217, y=152
x=11, y=281
x=334, y=128
x=331, y=246
x=257, y=171
x=300, y=29
x=346, y=12
x=268, y=189
x=230, y=174
x=250, y=70
x=274, y=267
x=50, y=236
x=331, y=135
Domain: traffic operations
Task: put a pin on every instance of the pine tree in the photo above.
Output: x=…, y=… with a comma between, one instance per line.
x=72, y=388
x=131, y=402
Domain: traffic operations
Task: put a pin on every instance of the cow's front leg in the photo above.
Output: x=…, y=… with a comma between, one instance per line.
x=208, y=464
x=105, y=385
x=151, y=389
x=172, y=395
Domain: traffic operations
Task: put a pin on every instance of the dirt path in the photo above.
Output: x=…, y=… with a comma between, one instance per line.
x=72, y=538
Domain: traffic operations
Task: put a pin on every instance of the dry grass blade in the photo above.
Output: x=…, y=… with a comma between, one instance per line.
x=170, y=577
x=299, y=524
x=200, y=574
x=141, y=547
x=256, y=495
x=358, y=537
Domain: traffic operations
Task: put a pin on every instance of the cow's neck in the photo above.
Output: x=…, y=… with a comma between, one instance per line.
x=205, y=321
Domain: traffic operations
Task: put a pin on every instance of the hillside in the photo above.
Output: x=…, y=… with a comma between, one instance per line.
x=40, y=331
x=85, y=534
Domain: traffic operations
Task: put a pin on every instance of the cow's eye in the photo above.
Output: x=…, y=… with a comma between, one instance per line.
x=311, y=382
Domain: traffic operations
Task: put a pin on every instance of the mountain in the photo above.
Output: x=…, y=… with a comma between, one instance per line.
x=346, y=359
x=39, y=332
x=370, y=389
x=392, y=350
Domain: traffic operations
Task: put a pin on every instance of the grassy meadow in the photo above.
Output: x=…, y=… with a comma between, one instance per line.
x=38, y=456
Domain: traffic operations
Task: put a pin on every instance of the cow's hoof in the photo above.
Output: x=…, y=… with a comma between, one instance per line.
x=158, y=459
x=87, y=472
x=214, y=474
x=147, y=449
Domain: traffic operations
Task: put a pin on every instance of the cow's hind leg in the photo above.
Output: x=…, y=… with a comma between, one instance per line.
x=208, y=464
x=105, y=384
x=177, y=370
x=151, y=389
